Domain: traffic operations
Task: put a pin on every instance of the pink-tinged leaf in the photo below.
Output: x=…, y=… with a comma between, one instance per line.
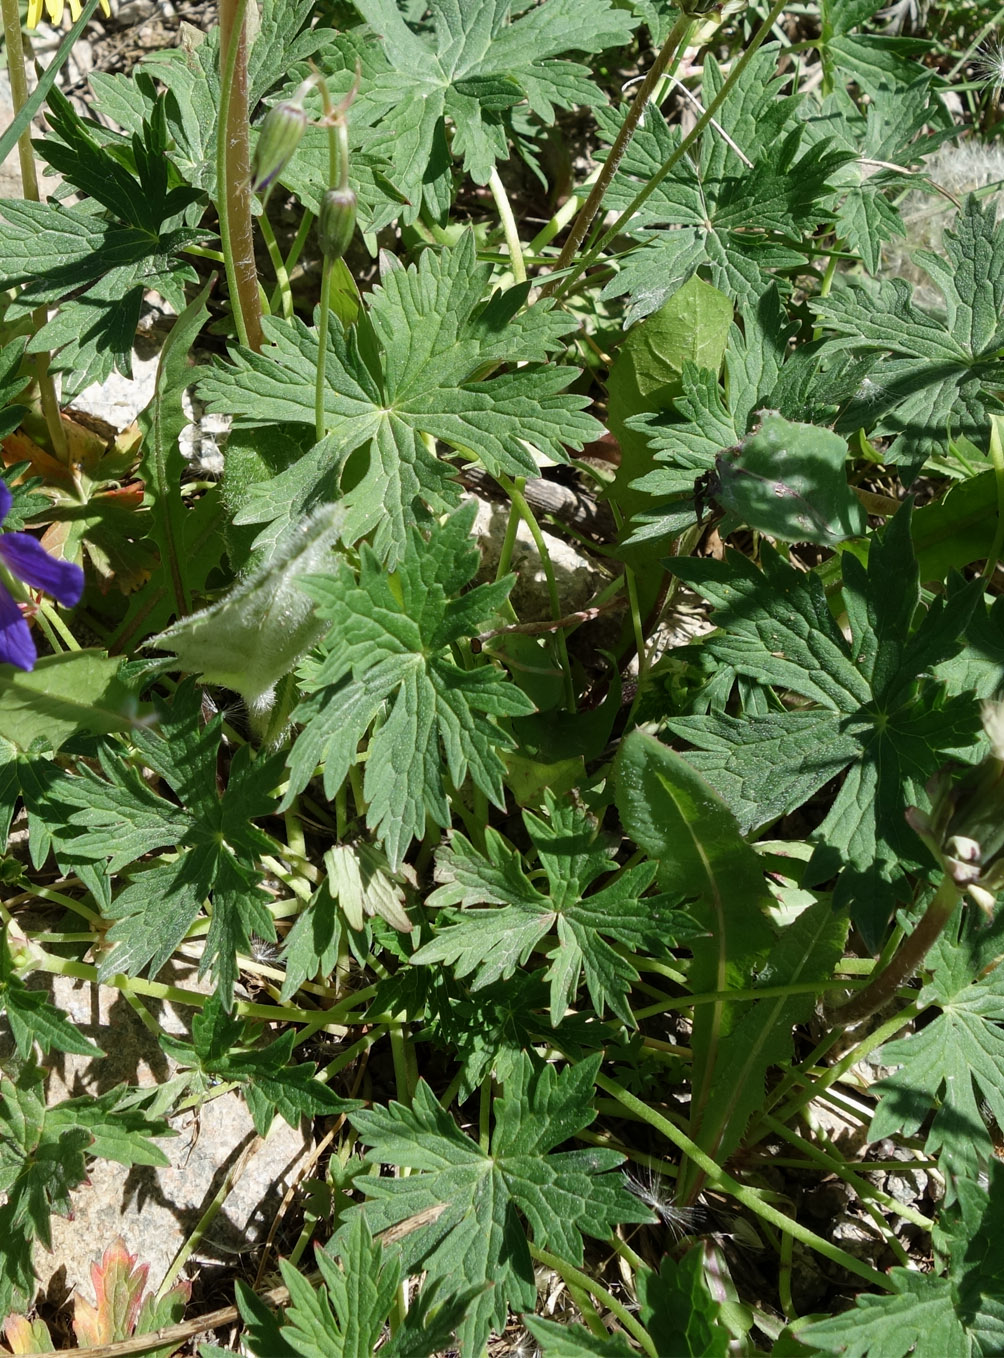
x=27, y=1336
x=118, y=1290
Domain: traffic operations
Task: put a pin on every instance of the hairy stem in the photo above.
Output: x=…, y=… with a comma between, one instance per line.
x=904, y=962
x=29, y=187
x=233, y=172
x=674, y=42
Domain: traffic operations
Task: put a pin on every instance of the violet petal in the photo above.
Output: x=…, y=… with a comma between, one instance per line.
x=26, y=558
x=6, y=499
x=16, y=645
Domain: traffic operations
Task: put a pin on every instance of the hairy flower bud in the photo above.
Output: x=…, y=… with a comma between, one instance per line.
x=336, y=222
x=278, y=139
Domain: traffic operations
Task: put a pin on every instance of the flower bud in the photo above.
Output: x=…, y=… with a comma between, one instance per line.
x=278, y=139
x=336, y=222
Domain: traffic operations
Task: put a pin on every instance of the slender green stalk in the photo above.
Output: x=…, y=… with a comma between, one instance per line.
x=322, y=348
x=816, y=1087
x=138, y=985
x=688, y=141
x=838, y=1166
x=338, y=176
x=997, y=461
x=233, y=176
x=675, y=41
x=508, y=542
x=584, y=1283
x=509, y=228
x=749, y=1197
x=193, y=1241
x=559, y=221
x=29, y=187
x=514, y=489
x=283, y=290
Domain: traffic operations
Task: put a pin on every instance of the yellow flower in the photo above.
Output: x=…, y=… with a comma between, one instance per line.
x=54, y=10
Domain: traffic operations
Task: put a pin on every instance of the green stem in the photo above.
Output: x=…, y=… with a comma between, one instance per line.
x=514, y=489
x=295, y=250
x=749, y=1197
x=676, y=39
x=817, y=1086
x=283, y=290
x=137, y=985
x=509, y=229
x=997, y=460
x=904, y=962
x=233, y=176
x=208, y=1217
x=584, y=1283
x=338, y=174
x=559, y=221
x=322, y=348
x=29, y=188
x=835, y=1165
x=688, y=141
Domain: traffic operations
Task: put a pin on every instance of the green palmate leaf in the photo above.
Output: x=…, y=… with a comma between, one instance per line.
x=679, y=1311
x=116, y=821
x=935, y=376
x=489, y=1029
x=412, y=373
x=43, y=1157
x=575, y=1341
x=471, y=65
x=685, y=442
x=346, y=1314
x=388, y=652
x=352, y=64
x=474, y=1195
x=221, y=1050
x=920, y=1317
x=492, y=943
x=32, y=1018
x=737, y=216
x=954, y=1065
x=893, y=129
x=12, y=383
x=96, y=267
x=874, y=710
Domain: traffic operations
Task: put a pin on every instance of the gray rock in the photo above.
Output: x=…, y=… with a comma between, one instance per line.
x=156, y=1210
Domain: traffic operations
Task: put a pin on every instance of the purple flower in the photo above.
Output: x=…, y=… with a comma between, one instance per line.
x=26, y=558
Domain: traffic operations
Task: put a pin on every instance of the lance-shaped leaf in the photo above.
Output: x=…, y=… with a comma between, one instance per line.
x=670, y=810
x=248, y=640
